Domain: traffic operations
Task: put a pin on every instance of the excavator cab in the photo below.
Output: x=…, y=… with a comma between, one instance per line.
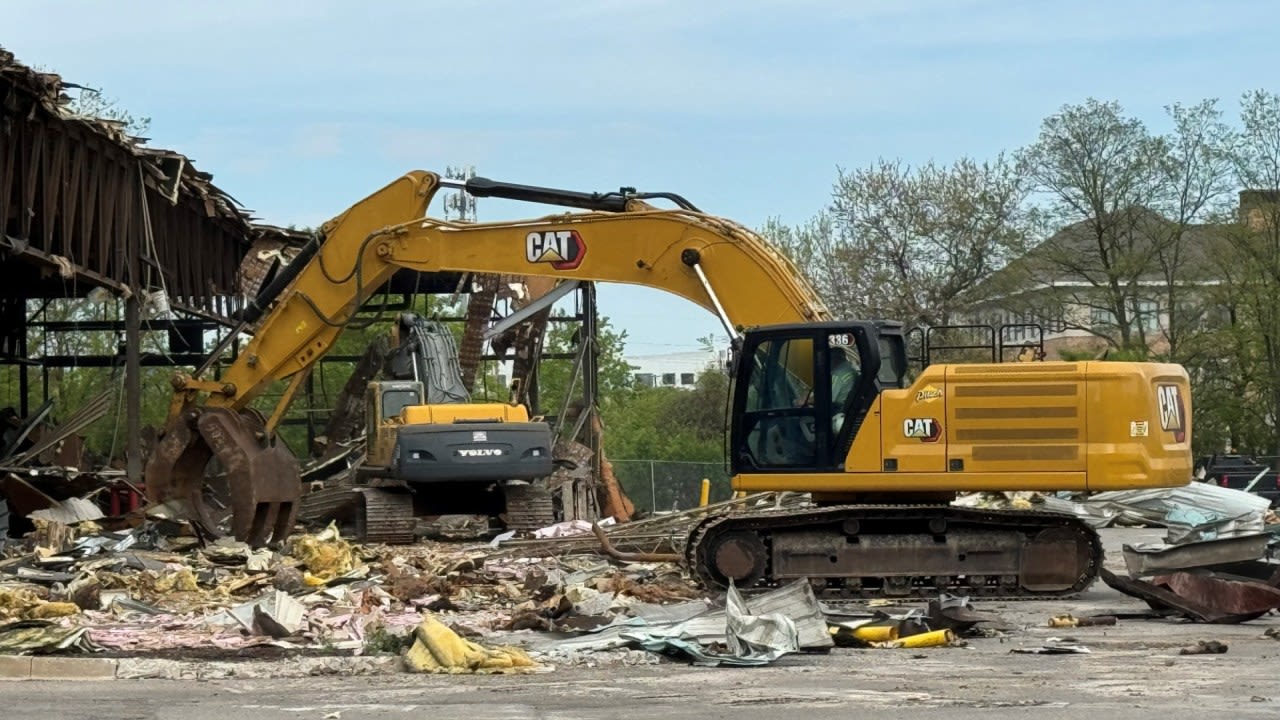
x=802, y=391
x=385, y=401
x=421, y=371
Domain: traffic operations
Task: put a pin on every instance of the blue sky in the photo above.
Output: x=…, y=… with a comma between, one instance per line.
x=747, y=108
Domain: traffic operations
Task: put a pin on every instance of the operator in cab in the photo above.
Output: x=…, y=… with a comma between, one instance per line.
x=845, y=370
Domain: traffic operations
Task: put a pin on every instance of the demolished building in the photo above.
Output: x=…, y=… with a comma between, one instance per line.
x=88, y=211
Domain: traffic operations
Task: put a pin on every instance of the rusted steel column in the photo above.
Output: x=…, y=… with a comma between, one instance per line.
x=24, y=379
x=479, y=312
x=133, y=387
x=591, y=370
x=132, y=242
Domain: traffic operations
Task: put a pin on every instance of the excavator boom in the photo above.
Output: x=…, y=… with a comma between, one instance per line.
x=667, y=249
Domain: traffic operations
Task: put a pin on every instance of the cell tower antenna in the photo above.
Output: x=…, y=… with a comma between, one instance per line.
x=460, y=205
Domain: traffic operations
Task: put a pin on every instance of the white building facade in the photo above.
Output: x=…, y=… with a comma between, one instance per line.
x=678, y=370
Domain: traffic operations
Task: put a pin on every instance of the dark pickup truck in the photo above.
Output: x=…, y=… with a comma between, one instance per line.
x=1237, y=471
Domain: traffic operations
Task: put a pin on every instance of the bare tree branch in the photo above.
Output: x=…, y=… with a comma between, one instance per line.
x=908, y=243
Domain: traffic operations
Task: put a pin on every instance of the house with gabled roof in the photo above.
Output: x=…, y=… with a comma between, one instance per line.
x=1131, y=281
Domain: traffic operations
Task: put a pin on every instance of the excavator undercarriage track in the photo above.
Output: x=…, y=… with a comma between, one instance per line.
x=529, y=507
x=859, y=552
x=385, y=516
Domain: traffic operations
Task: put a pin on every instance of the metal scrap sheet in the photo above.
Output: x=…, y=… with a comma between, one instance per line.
x=750, y=638
x=69, y=512
x=1144, y=559
x=1197, y=511
x=795, y=601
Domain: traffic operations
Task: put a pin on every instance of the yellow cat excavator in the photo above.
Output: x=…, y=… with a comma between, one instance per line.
x=818, y=405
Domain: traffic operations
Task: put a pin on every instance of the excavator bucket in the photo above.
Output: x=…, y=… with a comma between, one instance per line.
x=263, y=481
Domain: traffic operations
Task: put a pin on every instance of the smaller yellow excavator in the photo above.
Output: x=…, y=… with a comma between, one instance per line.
x=430, y=450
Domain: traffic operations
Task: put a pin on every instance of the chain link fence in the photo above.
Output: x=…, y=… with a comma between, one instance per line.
x=665, y=485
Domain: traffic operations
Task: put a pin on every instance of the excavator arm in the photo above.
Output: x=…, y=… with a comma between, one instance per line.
x=713, y=262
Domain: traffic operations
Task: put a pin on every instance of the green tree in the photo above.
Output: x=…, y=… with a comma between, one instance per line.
x=1099, y=171
x=615, y=383
x=666, y=440
x=908, y=243
x=1123, y=210
x=666, y=423
x=1196, y=177
x=70, y=388
x=92, y=103
x=1246, y=373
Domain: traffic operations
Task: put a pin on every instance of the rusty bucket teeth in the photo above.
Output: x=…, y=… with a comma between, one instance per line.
x=263, y=481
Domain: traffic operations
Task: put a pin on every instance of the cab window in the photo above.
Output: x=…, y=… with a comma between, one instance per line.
x=774, y=383
x=393, y=401
x=891, y=369
x=780, y=404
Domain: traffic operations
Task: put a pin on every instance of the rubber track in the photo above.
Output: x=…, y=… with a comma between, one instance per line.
x=1024, y=521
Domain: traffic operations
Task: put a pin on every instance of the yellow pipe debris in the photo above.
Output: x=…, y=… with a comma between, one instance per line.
x=937, y=638
x=706, y=493
x=876, y=633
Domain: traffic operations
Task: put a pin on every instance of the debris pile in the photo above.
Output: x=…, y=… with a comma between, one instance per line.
x=140, y=590
x=946, y=621
x=47, y=473
x=1216, y=564
x=1197, y=511
x=147, y=585
x=1193, y=512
